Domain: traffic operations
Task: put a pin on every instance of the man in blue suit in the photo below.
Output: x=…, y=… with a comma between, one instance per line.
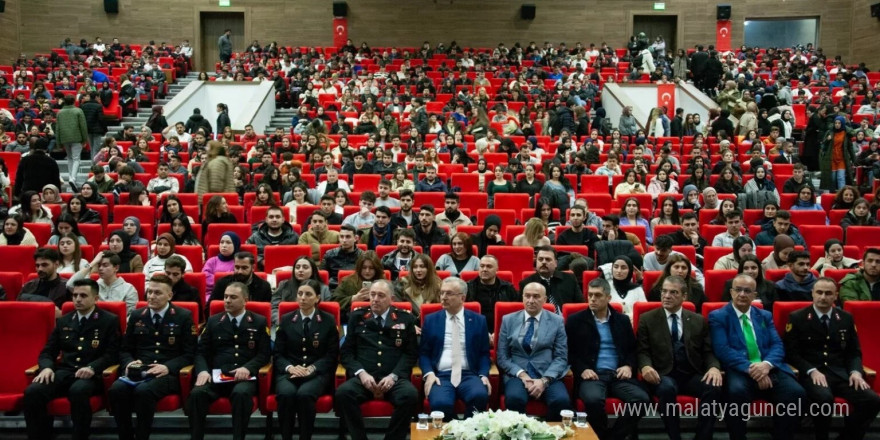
x=454, y=354
x=751, y=353
x=533, y=355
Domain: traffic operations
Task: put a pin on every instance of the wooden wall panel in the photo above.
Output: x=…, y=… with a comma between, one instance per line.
x=409, y=22
x=10, y=41
x=865, y=29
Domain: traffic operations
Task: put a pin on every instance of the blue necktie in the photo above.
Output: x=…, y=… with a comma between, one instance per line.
x=527, y=339
x=674, y=328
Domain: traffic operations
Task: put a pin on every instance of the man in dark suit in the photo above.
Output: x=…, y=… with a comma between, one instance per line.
x=561, y=287
x=233, y=347
x=306, y=348
x=83, y=344
x=378, y=355
x=821, y=342
x=675, y=357
x=603, y=359
x=533, y=355
x=751, y=353
x=160, y=339
x=459, y=368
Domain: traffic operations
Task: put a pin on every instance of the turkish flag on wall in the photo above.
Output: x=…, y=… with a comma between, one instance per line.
x=340, y=31
x=666, y=97
x=722, y=35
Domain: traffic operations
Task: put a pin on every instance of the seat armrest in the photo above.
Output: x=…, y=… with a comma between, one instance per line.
x=112, y=371
x=340, y=375
x=264, y=380
x=32, y=371
x=186, y=383
x=794, y=370
x=870, y=374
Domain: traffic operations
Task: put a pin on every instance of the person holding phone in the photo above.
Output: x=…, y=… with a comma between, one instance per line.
x=356, y=287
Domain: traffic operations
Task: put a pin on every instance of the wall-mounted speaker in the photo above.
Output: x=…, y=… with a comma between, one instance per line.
x=723, y=12
x=527, y=12
x=875, y=10
x=2, y=6
x=340, y=9
x=111, y=6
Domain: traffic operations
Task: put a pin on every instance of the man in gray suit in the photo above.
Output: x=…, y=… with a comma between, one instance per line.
x=533, y=355
x=675, y=355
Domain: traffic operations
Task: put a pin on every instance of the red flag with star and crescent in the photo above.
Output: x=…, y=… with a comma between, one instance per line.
x=722, y=35
x=666, y=97
x=340, y=31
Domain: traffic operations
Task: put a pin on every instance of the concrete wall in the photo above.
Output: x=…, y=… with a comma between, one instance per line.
x=249, y=103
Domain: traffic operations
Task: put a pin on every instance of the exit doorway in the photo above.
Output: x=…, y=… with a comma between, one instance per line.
x=212, y=25
x=665, y=26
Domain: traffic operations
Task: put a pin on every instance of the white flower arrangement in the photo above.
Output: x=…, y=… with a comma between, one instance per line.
x=502, y=425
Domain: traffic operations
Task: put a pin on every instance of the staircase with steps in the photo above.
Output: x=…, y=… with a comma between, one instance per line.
x=281, y=118
x=136, y=121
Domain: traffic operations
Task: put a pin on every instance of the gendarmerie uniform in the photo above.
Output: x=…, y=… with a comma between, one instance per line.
x=380, y=350
x=165, y=337
x=305, y=341
x=222, y=346
x=829, y=343
x=92, y=342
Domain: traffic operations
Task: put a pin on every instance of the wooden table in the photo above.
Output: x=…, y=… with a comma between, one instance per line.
x=431, y=433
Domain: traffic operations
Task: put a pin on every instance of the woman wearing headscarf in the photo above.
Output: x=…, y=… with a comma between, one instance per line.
x=761, y=181
x=489, y=236
x=131, y=261
x=165, y=245
x=132, y=226
x=836, y=157
x=224, y=261
x=14, y=233
x=691, y=198
x=778, y=259
x=742, y=246
x=91, y=195
x=623, y=290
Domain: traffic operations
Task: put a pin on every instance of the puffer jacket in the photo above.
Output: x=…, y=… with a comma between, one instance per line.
x=215, y=176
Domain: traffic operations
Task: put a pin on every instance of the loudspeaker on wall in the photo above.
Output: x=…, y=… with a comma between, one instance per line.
x=340, y=9
x=111, y=6
x=2, y=6
x=875, y=10
x=723, y=12
x=527, y=12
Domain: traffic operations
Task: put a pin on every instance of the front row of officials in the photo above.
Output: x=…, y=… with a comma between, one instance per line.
x=675, y=351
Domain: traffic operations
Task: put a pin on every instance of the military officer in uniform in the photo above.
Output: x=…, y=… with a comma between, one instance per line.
x=378, y=354
x=821, y=342
x=306, y=348
x=88, y=342
x=159, y=340
x=232, y=348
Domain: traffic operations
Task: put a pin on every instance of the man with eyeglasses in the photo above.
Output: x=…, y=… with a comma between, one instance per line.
x=533, y=355
x=752, y=356
x=454, y=354
x=675, y=357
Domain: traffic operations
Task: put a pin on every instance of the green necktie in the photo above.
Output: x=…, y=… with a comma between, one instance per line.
x=751, y=344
